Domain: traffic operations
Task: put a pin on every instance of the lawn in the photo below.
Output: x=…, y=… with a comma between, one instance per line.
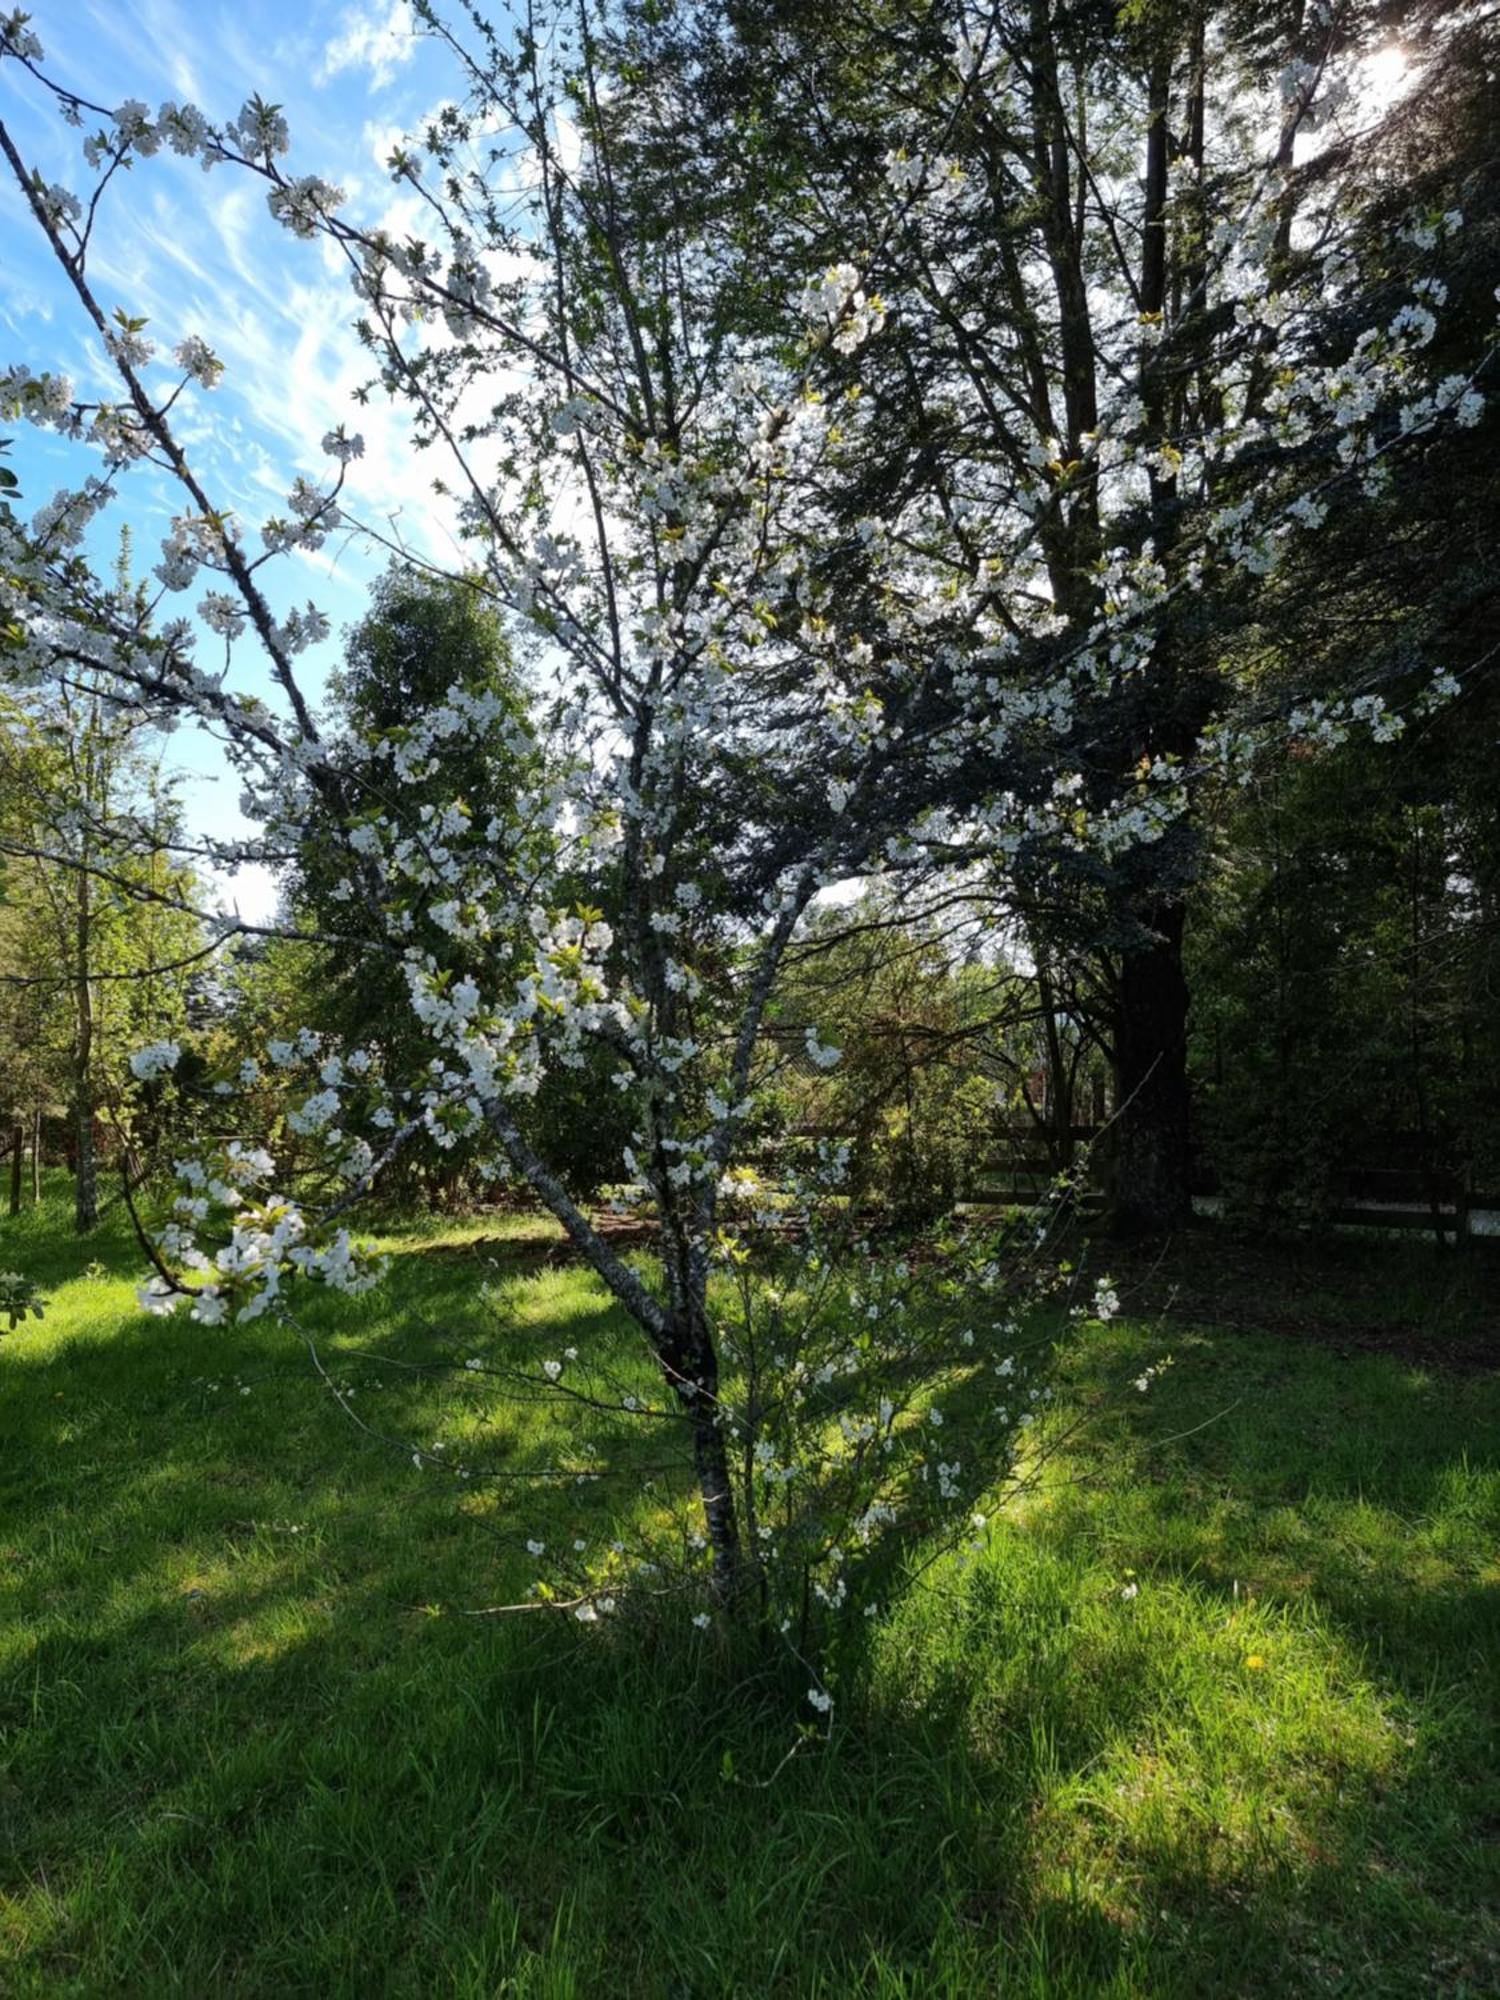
x=1214, y=1713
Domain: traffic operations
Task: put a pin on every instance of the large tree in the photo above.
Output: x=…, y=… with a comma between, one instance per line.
x=1109, y=241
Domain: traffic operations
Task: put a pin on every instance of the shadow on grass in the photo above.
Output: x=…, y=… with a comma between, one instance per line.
x=1433, y=1307
x=241, y=1754
x=1256, y=1470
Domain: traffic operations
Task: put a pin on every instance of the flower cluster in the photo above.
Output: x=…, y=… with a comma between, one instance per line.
x=156, y=1059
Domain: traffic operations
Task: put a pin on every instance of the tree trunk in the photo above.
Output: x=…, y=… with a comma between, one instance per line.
x=18, y=1147
x=711, y=1462
x=682, y=1340
x=1152, y=1153
x=1151, y=1157
x=36, y=1154
x=86, y=1181
x=1058, y=1130
x=691, y=1364
x=86, y=1185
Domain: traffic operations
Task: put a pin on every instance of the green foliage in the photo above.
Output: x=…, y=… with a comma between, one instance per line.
x=420, y=637
x=1343, y=944
x=19, y=1300
x=916, y=1091
x=954, y=1060
x=98, y=943
x=1345, y=968
x=581, y=1124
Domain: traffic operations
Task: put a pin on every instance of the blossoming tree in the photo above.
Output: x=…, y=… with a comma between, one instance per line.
x=757, y=671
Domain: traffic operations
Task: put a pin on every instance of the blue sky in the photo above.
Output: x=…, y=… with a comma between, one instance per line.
x=197, y=253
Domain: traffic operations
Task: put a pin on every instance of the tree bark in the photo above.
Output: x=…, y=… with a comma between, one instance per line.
x=1152, y=1153
x=18, y=1147
x=86, y=1172
x=690, y=1363
x=711, y=1463
x=36, y=1154
x=86, y=1184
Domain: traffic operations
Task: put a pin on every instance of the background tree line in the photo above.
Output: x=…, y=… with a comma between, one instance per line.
x=1342, y=951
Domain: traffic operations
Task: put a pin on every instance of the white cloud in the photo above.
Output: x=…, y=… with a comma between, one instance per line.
x=381, y=140
x=379, y=37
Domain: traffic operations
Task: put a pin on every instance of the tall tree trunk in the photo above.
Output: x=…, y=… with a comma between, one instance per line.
x=36, y=1154
x=18, y=1147
x=1058, y=1129
x=1151, y=1157
x=1152, y=1154
x=1071, y=540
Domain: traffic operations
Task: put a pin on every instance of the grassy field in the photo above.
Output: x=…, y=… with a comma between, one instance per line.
x=251, y=1744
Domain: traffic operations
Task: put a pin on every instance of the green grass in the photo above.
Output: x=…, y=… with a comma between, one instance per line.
x=249, y=1744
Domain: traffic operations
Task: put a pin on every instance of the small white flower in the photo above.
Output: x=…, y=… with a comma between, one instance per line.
x=822, y=1055
x=197, y=359
x=155, y=1060
x=222, y=614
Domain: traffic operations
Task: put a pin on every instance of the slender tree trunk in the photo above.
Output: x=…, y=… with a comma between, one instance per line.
x=86, y=1184
x=691, y=1363
x=1071, y=550
x=1153, y=1149
x=681, y=1338
x=17, y=1149
x=36, y=1154
x=1059, y=1126
x=711, y=1462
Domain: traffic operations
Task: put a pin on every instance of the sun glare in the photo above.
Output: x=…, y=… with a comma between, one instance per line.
x=1384, y=77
